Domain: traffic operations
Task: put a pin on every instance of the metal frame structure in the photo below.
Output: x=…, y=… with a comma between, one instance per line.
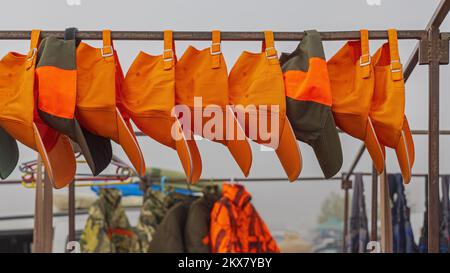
x=432, y=50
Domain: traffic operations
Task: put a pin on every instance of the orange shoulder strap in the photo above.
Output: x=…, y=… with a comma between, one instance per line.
x=365, y=59
x=269, y=47
x=396, y=66
x=107, y=49
x=215, y=49
x=34, y=42
x=168, y=54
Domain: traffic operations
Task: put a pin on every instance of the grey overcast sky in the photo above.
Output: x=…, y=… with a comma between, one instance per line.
x=283, y=205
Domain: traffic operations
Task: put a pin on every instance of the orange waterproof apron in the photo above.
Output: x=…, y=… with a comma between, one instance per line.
x=388, y=105
x=352, y=87
x=148, y=96
x=202, y=74
x=256, y=84
x=99, y=82
x=19, y=117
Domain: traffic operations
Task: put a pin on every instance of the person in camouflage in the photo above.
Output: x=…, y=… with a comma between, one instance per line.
x=107, y=229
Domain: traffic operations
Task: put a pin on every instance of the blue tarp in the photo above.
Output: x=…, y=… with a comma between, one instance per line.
x=133, y=189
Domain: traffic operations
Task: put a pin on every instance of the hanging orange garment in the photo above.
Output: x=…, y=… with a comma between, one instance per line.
x=201, y=75
x=19, y=117
x=236, y=226
x=99, y=83
x=388, y=105
x=148, y=98
x=309, y=100
x=352, y=86
x=258, y=94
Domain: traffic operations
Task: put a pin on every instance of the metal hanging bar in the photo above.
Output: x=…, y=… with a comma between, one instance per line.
x=206, y=35
x=414, y=132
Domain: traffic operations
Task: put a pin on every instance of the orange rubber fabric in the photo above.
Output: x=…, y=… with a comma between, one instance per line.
x=53, y=80
x=352, y=87
x=257, y=80
x=148, y=97
x=99, y=82
x=388, y=105
x=19, y=117
x=203, y=74
x=298, y=83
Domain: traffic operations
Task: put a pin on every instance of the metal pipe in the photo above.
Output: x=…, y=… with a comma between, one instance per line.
x=414, y=132
x=71, y=214
x=206, y=35
x=433, y=142
x=38, y=212
x=411, y=63
x=385, y=214
x=56, y=214
x=346, y=216
x=412, y=175
x=256, y=179
x=374, y=212
x=48, y=214
x=355, y=162
x=435, y=21
x=439, y=15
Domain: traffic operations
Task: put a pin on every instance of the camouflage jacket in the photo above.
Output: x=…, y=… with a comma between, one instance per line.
x=154, y=208
x=107, y=229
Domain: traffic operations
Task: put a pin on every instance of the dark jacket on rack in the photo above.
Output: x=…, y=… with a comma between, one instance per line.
x=185, y=227
x=444, y=234
x=196, y=231
x=403, y=237
x=358, y=237
x=169, y=235
x=445, y=216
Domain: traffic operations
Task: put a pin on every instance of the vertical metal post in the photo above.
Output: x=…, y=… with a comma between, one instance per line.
x=344, y=237
x=346, y=185
x=433, y=141
x=386, y=214
x=374, y=213
x=38, y=212
x=71, y=213
x=48, y=215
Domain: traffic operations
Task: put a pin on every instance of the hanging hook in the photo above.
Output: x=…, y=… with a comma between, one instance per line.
x=162, y=183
